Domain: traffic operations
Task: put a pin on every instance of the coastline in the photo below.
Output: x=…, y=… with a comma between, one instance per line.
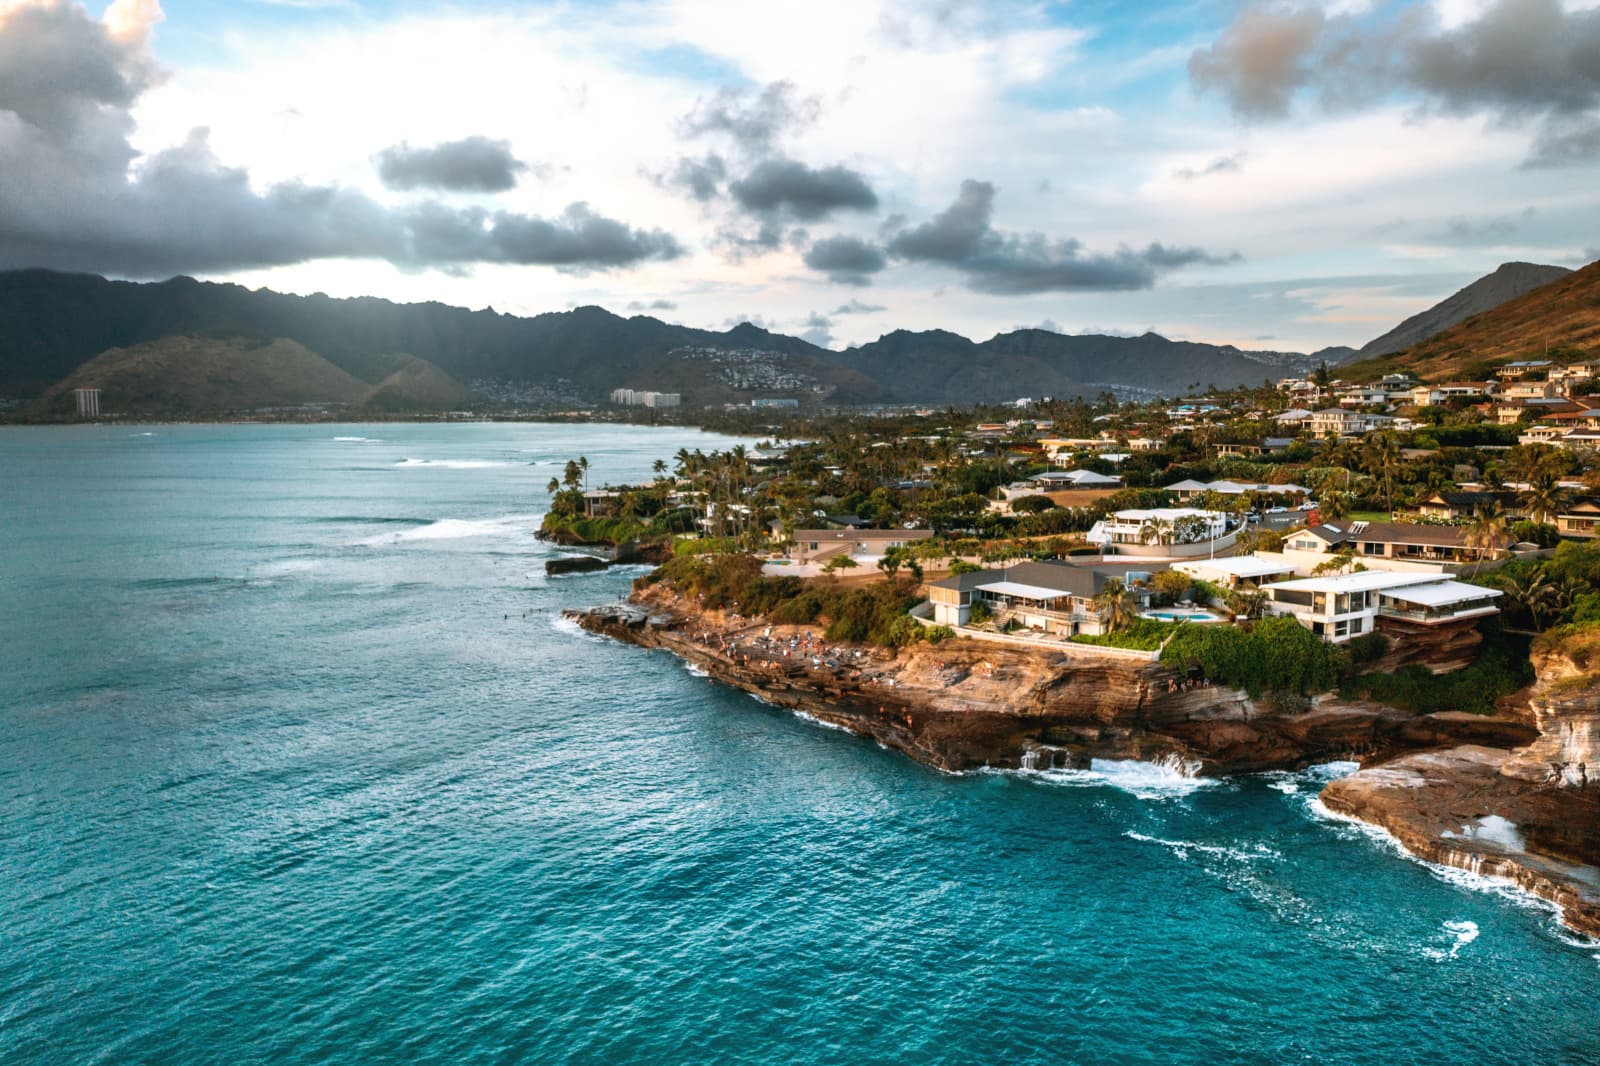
x=960, y=706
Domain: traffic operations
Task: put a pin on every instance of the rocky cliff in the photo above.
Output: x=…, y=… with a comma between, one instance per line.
x=1530, y=815
x=964, y=704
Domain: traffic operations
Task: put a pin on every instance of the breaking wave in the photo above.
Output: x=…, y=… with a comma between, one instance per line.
x=460, y=529
x=1170, y=778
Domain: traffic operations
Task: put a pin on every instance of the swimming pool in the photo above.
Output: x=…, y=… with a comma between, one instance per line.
x=1173, y=615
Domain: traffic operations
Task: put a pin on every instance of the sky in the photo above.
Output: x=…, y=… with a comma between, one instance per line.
x=1281, y=175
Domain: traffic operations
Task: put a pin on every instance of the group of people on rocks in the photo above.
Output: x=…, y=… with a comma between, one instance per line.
x=1187, y=684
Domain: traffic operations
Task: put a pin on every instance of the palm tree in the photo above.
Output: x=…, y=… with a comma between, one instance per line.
x=1488, y=531
x=1542, y=498
x=554, y=486
x=1115, y=605
x=1382, y=458
x=1333, y=505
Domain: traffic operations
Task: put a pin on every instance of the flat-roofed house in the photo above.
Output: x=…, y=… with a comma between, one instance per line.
x=1344, y=606
x=1236, y=571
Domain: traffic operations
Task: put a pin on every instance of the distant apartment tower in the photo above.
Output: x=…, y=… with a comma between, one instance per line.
x=88, y=402
x=640, y=398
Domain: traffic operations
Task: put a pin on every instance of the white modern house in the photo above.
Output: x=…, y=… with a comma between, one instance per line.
x=1165, y=532
x=1343, y=606
x=1236, y=571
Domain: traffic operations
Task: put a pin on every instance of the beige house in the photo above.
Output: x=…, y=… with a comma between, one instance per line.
x=820, y=545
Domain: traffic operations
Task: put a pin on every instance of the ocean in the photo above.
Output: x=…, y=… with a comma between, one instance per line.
x=299, y=764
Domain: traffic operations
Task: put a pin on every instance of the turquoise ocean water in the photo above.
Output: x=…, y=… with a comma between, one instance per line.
x=287, y=776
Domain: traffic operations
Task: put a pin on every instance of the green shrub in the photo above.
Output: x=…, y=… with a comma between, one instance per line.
x=938, y=634
x=1274, y=655
x=1141, y=634
x=1369, y=647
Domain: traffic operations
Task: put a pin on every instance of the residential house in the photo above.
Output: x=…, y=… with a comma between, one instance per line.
x=1343, y=606
x=1164, y=532
x=1522, y=369
x=1383, y=545
x=1453, y=505
x=1579, y=519
x=1236, y=571
x=820, y=545
x=1057, y=598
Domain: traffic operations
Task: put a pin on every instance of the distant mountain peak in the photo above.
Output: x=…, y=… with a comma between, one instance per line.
x=1506, y=282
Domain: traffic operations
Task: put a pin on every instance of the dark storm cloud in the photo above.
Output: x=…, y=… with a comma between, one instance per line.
x=786, y=187
x=994, y=261
x=848, y=260
x=472, y=164
x=68, y=199
x=1518, y=58
x=1566, y=143
x=755, y=121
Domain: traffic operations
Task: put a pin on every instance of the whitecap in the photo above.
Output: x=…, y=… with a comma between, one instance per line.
x=452, y=464
x=1170, y=778
x=360, y=440
x=695, y=669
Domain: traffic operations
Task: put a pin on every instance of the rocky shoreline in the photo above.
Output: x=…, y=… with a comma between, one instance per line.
x=964, y=705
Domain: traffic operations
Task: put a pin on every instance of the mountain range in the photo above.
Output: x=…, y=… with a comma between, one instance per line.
x=1559, y=320
x=55, y=328
x=1506, y=282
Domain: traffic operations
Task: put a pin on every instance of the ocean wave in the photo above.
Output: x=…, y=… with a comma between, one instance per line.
x=452, y=464
x=360, y=440
x=460, y=529
x=808, y=718
x=1500, y=887
x=1183, y=848
x=1292, y=782
x=1170, y=778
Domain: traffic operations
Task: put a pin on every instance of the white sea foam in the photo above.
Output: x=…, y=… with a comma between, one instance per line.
x=695, y=669
x=452, y=464
x=1183, y=848
x=515, y=525
x=1500, y=887
x=360, y=440
x=1171, y=778
x=813, y=719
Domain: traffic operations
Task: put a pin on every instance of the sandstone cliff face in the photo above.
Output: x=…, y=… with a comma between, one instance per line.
x=1564, y=705
x=1531, y=815
x=963, y=705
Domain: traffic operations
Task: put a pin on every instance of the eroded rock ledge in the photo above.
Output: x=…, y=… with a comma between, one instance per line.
x=1514, y=796
x=963, y=705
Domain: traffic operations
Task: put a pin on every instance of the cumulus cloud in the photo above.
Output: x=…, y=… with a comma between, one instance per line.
x=787, y=187
x=652, y=305
x=848, y=260
x=995, y=261
x=817, y=329
x=472, y=164
x=1517, y=58
x=754, y=120
x=701, y=178
x=76, y=195
x=856, y=307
